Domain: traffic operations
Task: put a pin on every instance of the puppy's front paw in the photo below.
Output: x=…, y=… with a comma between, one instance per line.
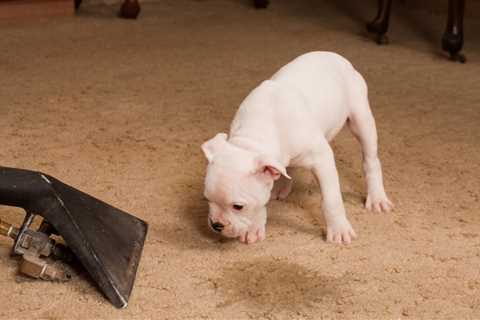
x=340, y=232
x=284, y=192
x=281, y=189
x=254, y=234
x=378, y=202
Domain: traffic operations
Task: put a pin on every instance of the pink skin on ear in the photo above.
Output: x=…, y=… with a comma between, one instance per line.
x=271, y=168
x=274, y=173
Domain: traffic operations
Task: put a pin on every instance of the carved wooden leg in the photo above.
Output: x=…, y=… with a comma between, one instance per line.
x=130, y=9
x=380, y=24
x=260, y=4
x=77, y=4
x=452, y=40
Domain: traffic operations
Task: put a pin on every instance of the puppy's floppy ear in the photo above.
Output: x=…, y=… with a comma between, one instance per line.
x=271, y=167
x=213, y=145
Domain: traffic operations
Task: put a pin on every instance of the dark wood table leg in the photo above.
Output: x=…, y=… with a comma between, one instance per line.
x=130, y=9
x=452, y=40
x=77, y=4
x=261, y=4
x=379, y=25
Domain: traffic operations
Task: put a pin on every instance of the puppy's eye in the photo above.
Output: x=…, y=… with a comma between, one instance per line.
x=238, y=207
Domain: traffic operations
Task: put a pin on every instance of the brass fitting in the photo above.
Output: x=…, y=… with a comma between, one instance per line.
x=6, y=229
x=31, y=246
x=39, y=269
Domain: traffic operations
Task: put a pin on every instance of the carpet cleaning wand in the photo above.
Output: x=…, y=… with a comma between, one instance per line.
x=34, y=247
x=105, y=241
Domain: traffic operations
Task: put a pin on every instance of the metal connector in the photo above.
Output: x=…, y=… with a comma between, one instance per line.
x=31, y=245
x=39, y=269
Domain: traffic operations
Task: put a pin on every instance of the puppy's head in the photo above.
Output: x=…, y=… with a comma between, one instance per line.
x=237, y=186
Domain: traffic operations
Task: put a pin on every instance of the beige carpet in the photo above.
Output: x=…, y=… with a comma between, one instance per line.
x=119, y=109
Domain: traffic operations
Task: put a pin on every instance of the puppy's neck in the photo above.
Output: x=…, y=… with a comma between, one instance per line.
x=246, y=144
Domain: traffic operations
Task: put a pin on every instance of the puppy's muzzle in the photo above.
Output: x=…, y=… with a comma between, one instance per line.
x=217, y=226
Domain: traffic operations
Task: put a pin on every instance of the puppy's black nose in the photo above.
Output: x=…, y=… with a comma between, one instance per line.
x=217, y=226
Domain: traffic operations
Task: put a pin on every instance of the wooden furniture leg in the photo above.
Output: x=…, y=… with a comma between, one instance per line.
x=379, y=25
x=260, y=4
x=452, y=40
x=130, y=9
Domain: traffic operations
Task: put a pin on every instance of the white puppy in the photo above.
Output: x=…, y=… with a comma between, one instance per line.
x=288, y=121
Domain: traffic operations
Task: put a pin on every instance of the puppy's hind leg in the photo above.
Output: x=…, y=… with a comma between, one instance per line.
x=362, y=125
